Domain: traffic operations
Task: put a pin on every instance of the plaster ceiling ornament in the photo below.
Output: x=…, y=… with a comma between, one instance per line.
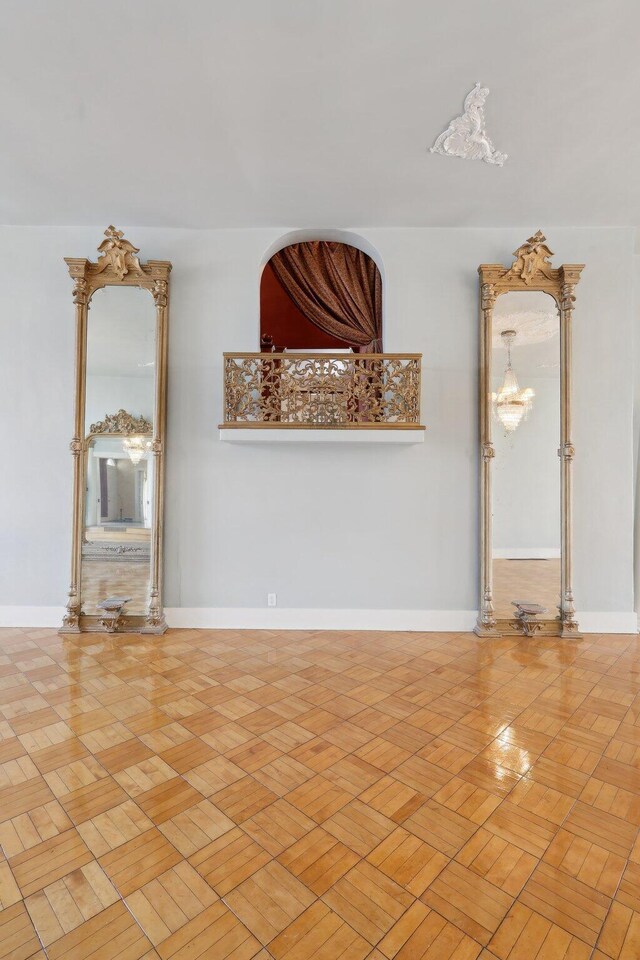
x=118, y=253
x=466, y=136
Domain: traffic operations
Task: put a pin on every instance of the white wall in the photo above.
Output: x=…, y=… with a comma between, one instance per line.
x=324, y=527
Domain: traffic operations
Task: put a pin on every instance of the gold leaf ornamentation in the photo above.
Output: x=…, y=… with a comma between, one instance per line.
x=122, y=422
x=118, y=254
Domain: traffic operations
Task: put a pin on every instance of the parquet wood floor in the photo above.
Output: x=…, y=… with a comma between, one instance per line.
x=258, y=795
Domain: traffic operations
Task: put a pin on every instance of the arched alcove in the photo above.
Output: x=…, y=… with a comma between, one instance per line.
x=321, y=290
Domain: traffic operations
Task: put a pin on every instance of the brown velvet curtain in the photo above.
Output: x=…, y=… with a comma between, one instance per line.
x=338, y=288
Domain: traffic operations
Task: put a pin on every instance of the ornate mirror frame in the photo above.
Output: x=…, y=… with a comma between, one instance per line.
x=119, y=266
x=530, y=271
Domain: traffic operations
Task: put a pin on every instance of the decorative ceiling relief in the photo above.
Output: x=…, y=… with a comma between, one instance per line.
x=466, y=136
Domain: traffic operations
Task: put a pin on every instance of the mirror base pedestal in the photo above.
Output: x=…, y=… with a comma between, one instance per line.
x=486, y=630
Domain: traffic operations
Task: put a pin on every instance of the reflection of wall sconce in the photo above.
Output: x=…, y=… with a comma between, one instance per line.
x=136, y=447
x=511, y=404
x=111, y=462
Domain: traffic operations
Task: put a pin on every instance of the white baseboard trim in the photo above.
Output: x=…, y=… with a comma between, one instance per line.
x=608, y=621
x=526, y=553
x=292, y=618
x=266, y=618
x=31, y=616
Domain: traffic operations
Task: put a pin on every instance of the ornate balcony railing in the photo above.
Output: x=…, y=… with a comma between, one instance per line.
x=322, y=390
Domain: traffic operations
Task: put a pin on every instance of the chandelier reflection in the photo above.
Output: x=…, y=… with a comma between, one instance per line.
x=511, y=405
x=136, y=447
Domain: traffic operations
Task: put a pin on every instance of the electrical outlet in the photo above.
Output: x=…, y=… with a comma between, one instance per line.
x=272, y=600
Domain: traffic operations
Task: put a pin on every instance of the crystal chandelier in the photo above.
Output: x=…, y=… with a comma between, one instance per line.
x=511, y=404
x=136, y=447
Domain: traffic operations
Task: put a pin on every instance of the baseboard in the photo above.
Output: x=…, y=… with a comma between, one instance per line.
x=607, y=621
x=31, y=616
x=283, y=618
x=292, y=618
x=526, y=553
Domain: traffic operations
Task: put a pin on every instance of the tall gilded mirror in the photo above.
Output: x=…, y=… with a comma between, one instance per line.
x=526, y=449
x=118, y=443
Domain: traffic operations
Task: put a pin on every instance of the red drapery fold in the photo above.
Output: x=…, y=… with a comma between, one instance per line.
x=338, y=288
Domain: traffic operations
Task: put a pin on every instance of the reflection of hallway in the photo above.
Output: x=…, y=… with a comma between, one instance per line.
x=537, y=581
x=106, y=578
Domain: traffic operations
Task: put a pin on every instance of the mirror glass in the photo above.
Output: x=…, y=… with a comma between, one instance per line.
x=525, y=367
x=116, y=542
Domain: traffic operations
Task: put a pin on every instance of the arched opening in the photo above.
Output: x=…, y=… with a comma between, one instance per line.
x=321, y=295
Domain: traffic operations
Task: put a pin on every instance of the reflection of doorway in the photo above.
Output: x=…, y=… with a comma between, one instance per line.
x=104, y=489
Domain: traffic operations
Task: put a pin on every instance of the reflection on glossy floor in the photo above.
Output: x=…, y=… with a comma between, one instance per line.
x=537, y=581
x=311, y=796
x=107, y=578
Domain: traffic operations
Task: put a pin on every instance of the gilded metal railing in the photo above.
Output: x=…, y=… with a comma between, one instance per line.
x=308, y=390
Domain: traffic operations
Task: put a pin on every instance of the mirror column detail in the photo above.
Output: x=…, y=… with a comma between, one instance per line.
x=530, y=327
x=119, y=437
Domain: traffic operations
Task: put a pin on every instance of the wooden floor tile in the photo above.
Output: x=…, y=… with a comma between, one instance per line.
x=214, y=933
x=318, y=798
x=567, y=902
x=214, y=775
x=468, y=900
x=194, y=828
x=279, y=825
x=139, y=861
x=393, y=799
x=526, y=935
x=93, y=799
x=170, y=901
x=49, y=861
x=440, y=827
x=501, y=863
x=620, y=936
x=269, y=901
x=33, y=827
x=243, y=799
x=114, y=827
x=229, y=860
x=422, y=934
x=67, y=903
x=18, y=940
x=167, y=799
x=9, y=889
x=359, y=827
x=409, y=861
x=628, y=892
x=112, y=933
x=468, y=800
x=369, y=900
x=522, y=828
x=283, y=775
x=585, y=861
x=598, y=826
x=318, y=860
x=319, y=934
x=24, y=797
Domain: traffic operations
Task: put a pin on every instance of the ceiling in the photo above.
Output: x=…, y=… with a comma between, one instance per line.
x=203, y=113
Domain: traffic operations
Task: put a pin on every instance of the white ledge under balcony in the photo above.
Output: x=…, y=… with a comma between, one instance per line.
x=322, y=396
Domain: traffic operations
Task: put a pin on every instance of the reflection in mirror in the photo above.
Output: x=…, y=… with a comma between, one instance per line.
x=120, y=354
x=116, y=538
x=525, y=365
x=120, y=392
